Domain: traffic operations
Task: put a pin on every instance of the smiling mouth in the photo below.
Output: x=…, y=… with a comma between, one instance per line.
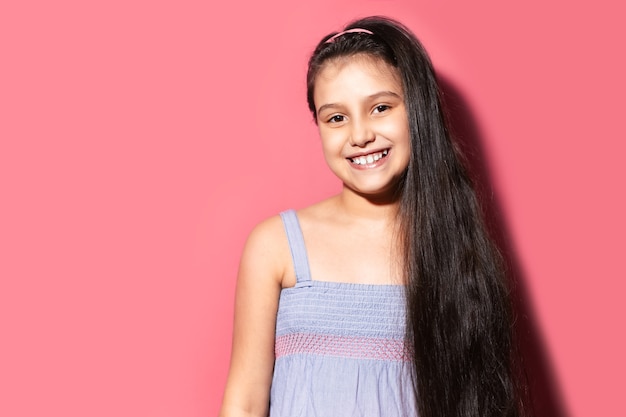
x=369, y=159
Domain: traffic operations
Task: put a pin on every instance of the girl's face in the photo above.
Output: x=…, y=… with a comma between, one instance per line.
x=363, y=124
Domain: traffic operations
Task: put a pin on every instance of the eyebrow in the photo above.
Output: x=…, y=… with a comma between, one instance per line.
x=368, y=98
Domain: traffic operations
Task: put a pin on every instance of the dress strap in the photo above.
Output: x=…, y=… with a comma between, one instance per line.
x=297, y=247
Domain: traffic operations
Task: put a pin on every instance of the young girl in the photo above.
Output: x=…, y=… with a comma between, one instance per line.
x=387, y=299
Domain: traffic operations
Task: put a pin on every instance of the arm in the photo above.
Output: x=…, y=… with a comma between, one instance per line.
x=256, y=302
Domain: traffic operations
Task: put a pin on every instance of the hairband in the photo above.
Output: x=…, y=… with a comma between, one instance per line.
x=355, y=30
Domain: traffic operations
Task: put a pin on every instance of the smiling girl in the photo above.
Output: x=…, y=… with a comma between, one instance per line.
x=387, y=299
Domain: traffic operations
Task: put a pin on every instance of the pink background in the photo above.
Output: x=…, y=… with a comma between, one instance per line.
x=141, y=140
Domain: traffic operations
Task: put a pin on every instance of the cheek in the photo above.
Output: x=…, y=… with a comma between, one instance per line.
x=331, y=141
x=327, y=152
x=332, y=151
x=402, y=142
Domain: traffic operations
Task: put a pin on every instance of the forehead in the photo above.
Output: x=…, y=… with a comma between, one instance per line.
x=357, y=74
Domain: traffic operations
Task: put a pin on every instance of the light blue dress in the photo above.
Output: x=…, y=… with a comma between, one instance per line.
x=340, y=347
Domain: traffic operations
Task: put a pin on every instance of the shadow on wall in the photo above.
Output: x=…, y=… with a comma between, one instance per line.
x=543, y=392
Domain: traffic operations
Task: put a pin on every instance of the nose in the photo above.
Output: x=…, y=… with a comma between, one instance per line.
x=361, y=134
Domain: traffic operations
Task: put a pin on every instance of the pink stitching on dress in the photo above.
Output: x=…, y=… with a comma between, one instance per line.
x=343, y=346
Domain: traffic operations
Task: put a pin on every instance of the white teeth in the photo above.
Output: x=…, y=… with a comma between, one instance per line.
x=369, y=159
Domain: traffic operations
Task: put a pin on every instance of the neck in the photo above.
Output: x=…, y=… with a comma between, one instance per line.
x=367, y=208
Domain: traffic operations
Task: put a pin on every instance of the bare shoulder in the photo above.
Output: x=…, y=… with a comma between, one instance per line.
x=267, y=234
x=267, y=249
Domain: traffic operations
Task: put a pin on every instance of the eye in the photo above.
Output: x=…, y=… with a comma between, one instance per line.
x=337, y=118
x=381, y=108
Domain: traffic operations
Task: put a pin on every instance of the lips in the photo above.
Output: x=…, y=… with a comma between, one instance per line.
x=369, y=158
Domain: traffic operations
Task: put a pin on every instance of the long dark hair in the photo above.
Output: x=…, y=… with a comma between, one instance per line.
x=459, y=319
